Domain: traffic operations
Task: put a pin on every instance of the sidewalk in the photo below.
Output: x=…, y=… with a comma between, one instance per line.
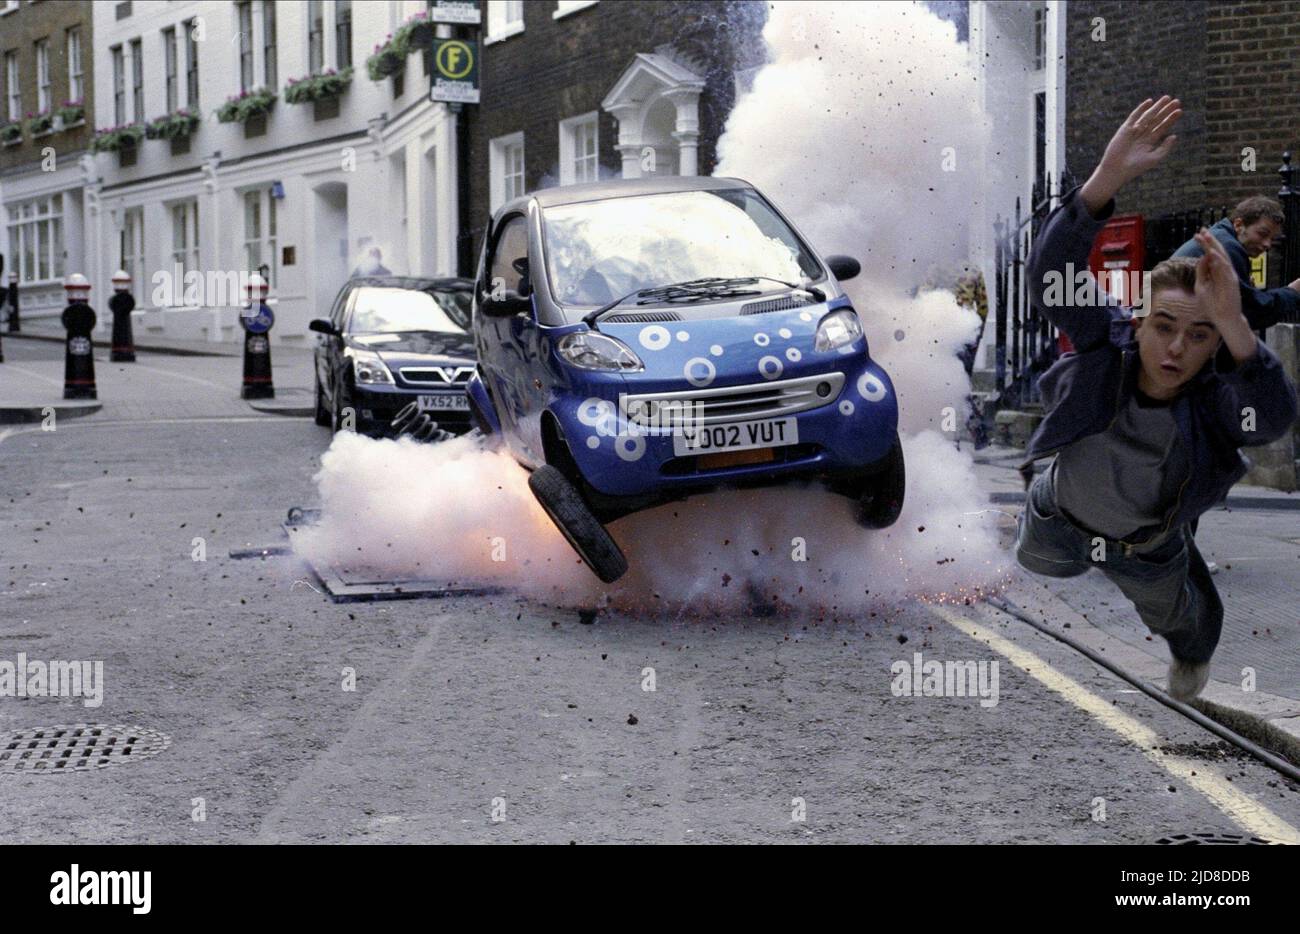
x=50, y=331
x=1254, y=540
x=157, y=385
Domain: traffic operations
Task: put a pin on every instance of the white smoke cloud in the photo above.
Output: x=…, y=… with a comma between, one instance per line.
x=846, y=131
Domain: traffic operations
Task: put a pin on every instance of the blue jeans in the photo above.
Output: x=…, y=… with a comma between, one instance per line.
x=1169, y=585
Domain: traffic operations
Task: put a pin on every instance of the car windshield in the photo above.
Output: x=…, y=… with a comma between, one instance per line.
x=380, y=309
x=597, y=251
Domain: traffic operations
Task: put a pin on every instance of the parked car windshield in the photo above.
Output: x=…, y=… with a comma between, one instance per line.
x=382, y=309
x=597, y=251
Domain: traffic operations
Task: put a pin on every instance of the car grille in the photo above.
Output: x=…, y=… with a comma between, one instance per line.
x=754, y=400
x=776, y=304
x=436, y=375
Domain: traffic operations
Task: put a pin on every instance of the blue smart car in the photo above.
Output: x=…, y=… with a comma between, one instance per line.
x=643, y=340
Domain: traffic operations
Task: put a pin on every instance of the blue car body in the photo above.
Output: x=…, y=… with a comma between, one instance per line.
x=742, y=367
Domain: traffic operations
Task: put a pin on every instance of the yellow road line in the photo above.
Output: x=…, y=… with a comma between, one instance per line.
x=1242, y=809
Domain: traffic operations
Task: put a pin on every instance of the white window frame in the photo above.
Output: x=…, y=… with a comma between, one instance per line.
x=37, y=225
x=504, y=168
x=131, y=243
x=565, y=7
x=171, y=70
x=15, y=96
x=575, y=166
x=319, y=66
x=118, y=54
x=191, y=73
x=260, y=244
x=268, y=22
x=76, y=74
x=44, y=88
x=246, y=49
x=185, y=234
x=137, y=75
x=505, y=18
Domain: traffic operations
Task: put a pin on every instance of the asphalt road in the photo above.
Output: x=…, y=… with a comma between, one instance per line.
x=494, y=719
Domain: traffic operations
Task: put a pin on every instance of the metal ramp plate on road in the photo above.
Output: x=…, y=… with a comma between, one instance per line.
x=348, y=584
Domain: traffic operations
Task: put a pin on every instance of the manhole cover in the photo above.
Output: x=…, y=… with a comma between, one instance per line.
x=81, y=747
x=1213, y=839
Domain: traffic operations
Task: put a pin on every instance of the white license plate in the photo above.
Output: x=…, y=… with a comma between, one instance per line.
x=736, y=436
x=444, y=403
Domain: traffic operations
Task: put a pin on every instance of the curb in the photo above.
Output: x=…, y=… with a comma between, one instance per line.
x=291, y=402
x=107, y=345
x=27, y=414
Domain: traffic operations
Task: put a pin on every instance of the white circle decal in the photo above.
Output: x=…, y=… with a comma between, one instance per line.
x=593, y=411
x=699, y=371
x=762, y=339
x=785, y=333
x=846, y=407
x=655, y=337
x=805, y=316
x=793, y=355
x=630, y=447
x=716, y=350
x=770, y=367
x=593, y=442
x=870, y=387
x=683, y=336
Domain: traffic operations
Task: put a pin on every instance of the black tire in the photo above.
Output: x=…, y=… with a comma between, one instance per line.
x=323, y=417
x=574, y=519
x=881, y=500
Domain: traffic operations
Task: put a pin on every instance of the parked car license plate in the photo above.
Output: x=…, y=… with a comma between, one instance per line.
x=444, y=402
x=736, y=436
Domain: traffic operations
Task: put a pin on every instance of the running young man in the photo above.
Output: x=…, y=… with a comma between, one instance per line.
x=1146, y=416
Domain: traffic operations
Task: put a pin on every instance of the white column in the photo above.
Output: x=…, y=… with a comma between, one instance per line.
x=1055, y=67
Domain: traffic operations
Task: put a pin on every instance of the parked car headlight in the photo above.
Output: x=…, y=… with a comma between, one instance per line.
x=368, y=367
x=837, y=329
x=592, y=350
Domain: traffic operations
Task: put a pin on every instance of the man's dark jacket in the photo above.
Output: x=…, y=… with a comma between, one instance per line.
x=1084, y=391
x=1263, y=308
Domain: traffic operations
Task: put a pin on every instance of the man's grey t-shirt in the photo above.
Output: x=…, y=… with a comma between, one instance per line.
x=1123, y=480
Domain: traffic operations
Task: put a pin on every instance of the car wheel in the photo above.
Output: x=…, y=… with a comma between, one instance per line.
x=881, y=500
x=322, y=413
x=583, y=530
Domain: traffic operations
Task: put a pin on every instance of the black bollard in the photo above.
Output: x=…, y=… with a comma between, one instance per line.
x=78, y=356
x=257, y=320
x=13, y=303
x=122, y=304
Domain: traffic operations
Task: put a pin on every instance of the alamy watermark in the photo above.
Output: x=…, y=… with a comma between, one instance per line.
x=33, y=678
x=933, y=678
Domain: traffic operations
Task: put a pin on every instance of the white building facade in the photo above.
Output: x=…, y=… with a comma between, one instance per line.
x=306, y=198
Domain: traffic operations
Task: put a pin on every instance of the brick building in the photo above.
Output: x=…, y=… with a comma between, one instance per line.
x=45, y=65
x=575, y=91
x=1235, y=67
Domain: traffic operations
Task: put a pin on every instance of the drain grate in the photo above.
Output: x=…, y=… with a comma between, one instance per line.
x=1213, y=839
x=81, y=747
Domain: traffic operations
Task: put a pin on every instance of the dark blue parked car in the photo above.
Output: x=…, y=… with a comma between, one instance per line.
x=642, y=340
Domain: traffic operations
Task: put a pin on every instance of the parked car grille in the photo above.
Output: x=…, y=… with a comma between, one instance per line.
x=754, y=400
x=436, y=375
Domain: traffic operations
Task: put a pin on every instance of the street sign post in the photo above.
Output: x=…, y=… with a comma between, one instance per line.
x=455, y=72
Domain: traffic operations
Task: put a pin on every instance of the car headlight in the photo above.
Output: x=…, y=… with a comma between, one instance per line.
x=368, y=367
x=592, y=350
x=837, y=329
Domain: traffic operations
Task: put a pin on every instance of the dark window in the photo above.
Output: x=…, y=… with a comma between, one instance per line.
x=191, y=66
x=511, y=244
x=315, y=37
x=268, y=43
x=343, y=34
x=119, y=86
x=1040, y=144
x=137, y=81
x=245, y=45
x=169, y=63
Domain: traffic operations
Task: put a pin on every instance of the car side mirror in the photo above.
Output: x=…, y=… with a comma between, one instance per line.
x=508, y=303
x=843, y=267
x=321, y=326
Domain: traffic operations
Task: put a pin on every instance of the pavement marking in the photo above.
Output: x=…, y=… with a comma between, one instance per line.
x=34, y=375
x=185, y=376
x=1240, y=808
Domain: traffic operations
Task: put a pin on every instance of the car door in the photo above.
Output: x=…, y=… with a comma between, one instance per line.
x=334, y=342
x=505, y=359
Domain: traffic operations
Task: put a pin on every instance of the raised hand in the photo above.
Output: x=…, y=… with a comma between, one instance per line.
x=1141, y=143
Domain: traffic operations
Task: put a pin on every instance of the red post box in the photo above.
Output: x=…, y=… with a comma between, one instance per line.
x=1118, y=257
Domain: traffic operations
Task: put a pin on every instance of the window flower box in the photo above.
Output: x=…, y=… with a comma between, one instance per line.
x=72, y=113
x=328, y=84
x=41, y=123
x=117, y=139
x=11, y=134
x=173, y=126
x=247, y=106
x=419, y=31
